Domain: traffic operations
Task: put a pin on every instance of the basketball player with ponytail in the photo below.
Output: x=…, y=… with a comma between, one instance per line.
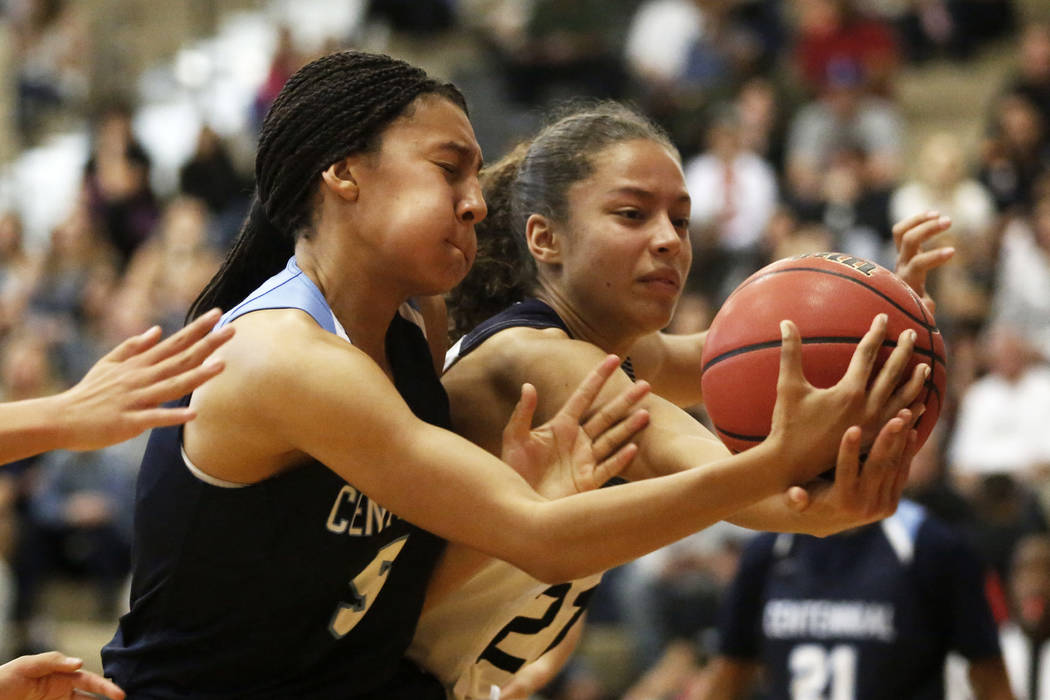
x=584, y=252
x=284, y=540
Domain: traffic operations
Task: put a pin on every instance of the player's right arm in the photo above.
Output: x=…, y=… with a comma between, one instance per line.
x=292, y=390
x=674, y=441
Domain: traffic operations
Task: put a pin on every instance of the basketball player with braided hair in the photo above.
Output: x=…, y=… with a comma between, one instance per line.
x=584, y=253
x=284, y=540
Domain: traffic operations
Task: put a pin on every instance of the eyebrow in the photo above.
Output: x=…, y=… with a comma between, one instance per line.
x=465, y=151
x=643, y=193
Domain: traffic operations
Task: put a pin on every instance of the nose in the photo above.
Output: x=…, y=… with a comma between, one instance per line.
x=666, y=240
x=471, y=208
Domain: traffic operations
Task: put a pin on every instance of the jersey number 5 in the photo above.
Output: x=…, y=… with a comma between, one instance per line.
x=364, y=589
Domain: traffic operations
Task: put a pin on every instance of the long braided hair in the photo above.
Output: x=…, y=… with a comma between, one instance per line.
x=534, y=178
x=331, y=108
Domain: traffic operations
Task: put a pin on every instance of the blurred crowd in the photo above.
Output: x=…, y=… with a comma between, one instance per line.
x=794, y=140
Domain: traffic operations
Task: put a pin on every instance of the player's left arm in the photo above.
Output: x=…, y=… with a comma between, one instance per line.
x=671, y=364
x=988, y=679
x=542, y=671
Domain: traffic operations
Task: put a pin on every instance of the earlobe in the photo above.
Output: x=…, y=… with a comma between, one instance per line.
x=339, y=178
x=543, y=242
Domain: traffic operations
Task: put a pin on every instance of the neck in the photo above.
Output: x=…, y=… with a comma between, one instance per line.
x=607, y=337
x=363, y=306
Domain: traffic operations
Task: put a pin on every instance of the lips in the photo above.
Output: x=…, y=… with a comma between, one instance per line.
x=670, y=278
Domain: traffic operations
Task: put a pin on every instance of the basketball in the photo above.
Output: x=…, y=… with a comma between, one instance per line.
x=832, y=298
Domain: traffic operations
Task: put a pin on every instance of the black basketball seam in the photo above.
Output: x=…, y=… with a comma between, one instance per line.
x=815, y=340
x=921, y=321
x=738, y=436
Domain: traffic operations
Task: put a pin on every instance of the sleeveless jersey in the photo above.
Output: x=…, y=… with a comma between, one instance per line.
x=871, y=613
x=298, y=586
x=502, y=618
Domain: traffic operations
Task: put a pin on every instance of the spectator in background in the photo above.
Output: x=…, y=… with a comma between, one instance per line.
x=1002, y=422
x=1032, y=77
x=844, y=116
x=685, y=55
x=78, y=524
x=1022, y=288
x=75, y=266
x=286, y=60
x=942, y=183
x=169, y=271
x=1025, y=635
x=762, y=120
x=734, y=195
x=211, y=177
x=850, y=209
x=832, y=32
x=51, y=45
x=999, y=451
x=565, y=47
x=117, y=183
x=670, y=600
x=25, y=373
x=1016, y=153
x=18, y=272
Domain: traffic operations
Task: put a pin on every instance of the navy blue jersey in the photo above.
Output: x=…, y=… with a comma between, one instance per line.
x=870, y=613
x=298, y=586
x=530, y=313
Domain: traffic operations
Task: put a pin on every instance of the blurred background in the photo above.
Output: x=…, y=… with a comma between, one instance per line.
x=127, y=134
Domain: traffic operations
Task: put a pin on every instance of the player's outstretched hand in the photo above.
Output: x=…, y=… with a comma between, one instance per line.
x=568, y=454
x=914, y=263
x=51, y=676
x=120, y=396
x=808, y=422
x=860, y=493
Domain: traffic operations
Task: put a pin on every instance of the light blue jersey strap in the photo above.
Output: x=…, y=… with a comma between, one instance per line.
x=288, y=289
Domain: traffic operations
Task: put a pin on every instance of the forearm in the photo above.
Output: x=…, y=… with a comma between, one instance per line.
x=772, y=514
x=690, y=501
x=32, y=426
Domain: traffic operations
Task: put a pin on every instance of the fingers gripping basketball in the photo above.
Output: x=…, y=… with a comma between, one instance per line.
x=832, y=298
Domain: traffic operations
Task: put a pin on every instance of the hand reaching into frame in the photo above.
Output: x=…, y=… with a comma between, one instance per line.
x=567, y=454
x=120, y=396
x=914, y=263
x=51, y=676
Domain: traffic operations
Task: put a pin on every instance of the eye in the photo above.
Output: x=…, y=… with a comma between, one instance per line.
x=681, y=224
x=630, y=214
x=448, y=168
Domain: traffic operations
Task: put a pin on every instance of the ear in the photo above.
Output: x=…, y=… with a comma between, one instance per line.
x=544, y=243
x=339, y=179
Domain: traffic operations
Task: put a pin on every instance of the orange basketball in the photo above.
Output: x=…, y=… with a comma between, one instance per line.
x=832, y=298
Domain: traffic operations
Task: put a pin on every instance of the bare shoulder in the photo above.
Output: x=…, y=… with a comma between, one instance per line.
x=240, y=433
x=517, y=355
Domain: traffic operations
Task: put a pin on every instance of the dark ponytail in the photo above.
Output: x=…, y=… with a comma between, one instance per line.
x=331, y=108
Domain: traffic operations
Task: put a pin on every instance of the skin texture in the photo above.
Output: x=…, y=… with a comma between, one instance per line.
x=51, y=676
